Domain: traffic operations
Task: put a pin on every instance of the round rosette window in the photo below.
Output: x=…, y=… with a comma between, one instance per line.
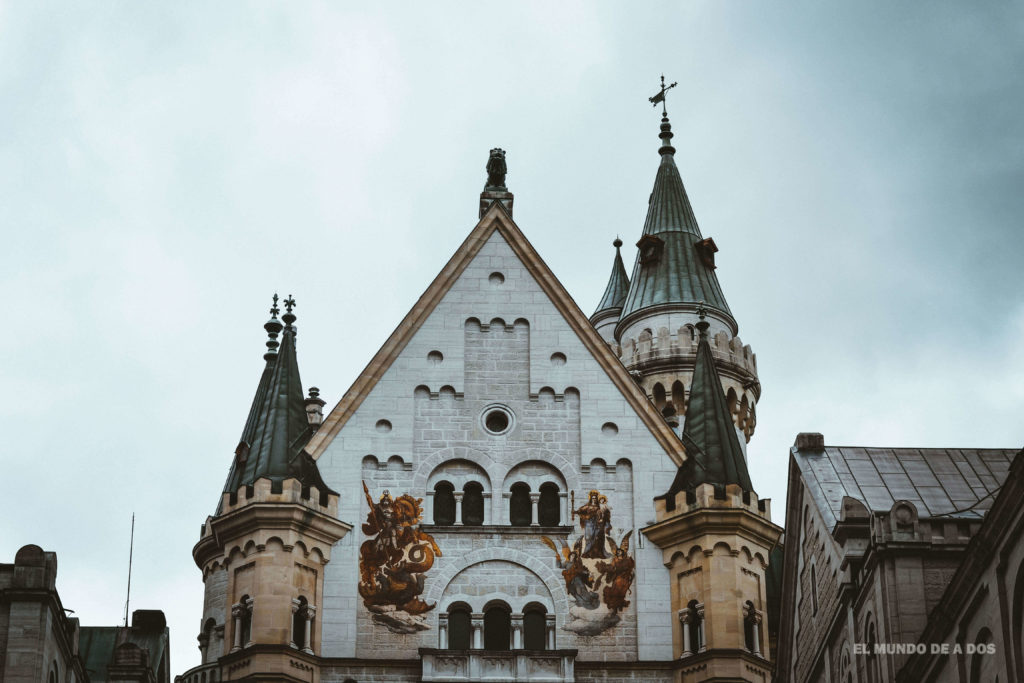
x=497, y=419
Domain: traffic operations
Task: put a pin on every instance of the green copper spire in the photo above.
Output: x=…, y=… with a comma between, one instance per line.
x=675, y=264
x=618, y=284
x=277, y=428
x=714, y=454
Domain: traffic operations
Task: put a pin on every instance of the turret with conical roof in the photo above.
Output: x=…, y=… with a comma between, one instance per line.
x=262, y=553
x=673, y=276
x=607, y=314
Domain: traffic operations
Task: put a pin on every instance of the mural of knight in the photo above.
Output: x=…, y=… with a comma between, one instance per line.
x=393, y=561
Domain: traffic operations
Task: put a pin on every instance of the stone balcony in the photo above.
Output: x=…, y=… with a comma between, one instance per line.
x=204, y=673
x=502, y=666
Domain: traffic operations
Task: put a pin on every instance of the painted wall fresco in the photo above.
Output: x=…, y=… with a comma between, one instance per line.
x=598, y=572
x=393, y=562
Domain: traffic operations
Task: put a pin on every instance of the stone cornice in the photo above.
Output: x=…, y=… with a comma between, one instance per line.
x=695, y=524
x=244, y=521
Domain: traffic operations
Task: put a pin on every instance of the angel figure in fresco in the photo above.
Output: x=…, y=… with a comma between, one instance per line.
x=617, y=576
x=393, y=560
x=596, y=522
x=578, y=580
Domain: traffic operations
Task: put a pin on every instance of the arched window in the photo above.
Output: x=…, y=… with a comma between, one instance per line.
x=444, y=503
x=299, y=622
x=659, y=396
x=534, y=627
x=497, y=627
x=473, y=503
x=458, y=628
x=245, y=624
x=874, y=673
x=549, y=505
x=520, y=512
x=695, y=627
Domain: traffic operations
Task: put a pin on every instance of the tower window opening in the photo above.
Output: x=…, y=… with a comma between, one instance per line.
x=473, y=503
x=299, y=622
x=520, y=512
x=497, y=628
x=534, y=627
x=444, y=503
x=245, y=623
x=548, y=505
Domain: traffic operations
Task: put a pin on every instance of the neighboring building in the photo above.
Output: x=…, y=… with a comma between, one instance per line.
x=906, y=549
x=40, y=643
x=499, y=496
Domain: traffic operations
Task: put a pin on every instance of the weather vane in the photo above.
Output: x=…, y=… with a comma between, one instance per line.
x=660, y=97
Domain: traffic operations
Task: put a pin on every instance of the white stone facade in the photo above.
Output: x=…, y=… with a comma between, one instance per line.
x=496, y=341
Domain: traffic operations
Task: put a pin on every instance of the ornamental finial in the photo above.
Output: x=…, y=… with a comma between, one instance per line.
x=274, y=310
x=660, y=96
x=702, y=325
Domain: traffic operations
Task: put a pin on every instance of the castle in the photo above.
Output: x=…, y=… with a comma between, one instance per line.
x=514, y=491
x=510, y=490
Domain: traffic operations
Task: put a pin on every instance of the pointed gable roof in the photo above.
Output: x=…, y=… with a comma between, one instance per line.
x=618, y=285
x=496, y=219
x=680, y=273
x=713, y=447
x=277, y=428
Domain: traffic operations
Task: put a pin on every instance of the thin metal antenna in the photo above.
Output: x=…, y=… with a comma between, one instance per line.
x=131, y=550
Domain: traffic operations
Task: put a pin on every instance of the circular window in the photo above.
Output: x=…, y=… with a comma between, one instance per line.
x=383, y=426
x=435, y=357
x=496, y=279
x=609, y=429
x=497, y=419
x=557, y=359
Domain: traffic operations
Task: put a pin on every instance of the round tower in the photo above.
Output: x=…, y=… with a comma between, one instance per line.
x=674, y=276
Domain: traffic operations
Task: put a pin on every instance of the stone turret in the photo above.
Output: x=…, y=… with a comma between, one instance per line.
x=606, y=316
x=263, y=553
x=674, y=274
x=716, y=539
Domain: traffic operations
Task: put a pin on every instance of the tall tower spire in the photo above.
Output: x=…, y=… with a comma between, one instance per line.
x=674, y=274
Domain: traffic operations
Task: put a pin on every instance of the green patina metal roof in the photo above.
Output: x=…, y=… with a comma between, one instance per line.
x=714, y=454
x=618, y=284
x=96, y=645
x=277, y=428
x=679, y=274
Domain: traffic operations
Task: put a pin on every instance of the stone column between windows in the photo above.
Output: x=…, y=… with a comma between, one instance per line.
x=563, y=507
x=236, y=614
x=458, y=507
x=442, y=631
x=701, y=631
x=477, y=629
x=487, y=508
x=755, y=624
x=684, y=619
x=534, y=499
x=506, y=508
x=295, y=608
x=549, y=631
x=310, y=615
x=517, y=631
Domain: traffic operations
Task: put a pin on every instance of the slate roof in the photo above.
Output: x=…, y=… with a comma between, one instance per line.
x=618, y=284
x=959, y=482
x=713, y=450
x=679, y=275
x=277, y=428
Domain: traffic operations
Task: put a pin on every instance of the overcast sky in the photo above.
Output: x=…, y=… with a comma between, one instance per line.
x=164, y=169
